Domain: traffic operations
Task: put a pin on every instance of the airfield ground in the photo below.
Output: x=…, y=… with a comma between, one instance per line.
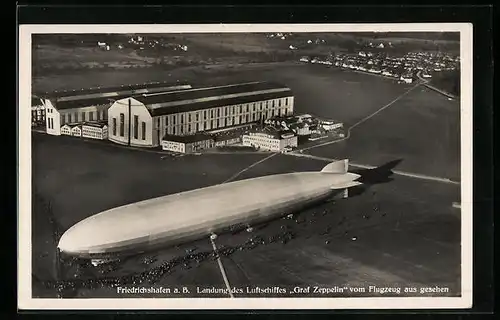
x=405, y=231
x=422, y=128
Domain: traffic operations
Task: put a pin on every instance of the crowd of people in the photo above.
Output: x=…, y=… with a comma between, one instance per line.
x=191, y=258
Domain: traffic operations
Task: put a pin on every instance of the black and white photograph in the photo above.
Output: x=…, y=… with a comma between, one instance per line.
x=229, y=166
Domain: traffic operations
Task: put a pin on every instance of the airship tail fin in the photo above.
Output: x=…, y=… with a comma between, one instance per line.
x=336, y=167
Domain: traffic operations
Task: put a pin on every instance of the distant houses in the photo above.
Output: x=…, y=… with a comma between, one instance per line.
x=103, y=46
x=406, y=79
x=403, y=68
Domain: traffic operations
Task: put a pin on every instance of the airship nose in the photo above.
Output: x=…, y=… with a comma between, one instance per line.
x=64, y=245
x=71, y=243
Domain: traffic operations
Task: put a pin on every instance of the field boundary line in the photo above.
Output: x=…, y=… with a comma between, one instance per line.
x=364, y=166
x=348, y=135
x=237, y=174
x=221, y=267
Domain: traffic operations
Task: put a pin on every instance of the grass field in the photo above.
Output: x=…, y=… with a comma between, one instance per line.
x=407, y=232
x=327, y=92
x=48, y=54
x=412, y=234
x=52, y=49
x=423, y=129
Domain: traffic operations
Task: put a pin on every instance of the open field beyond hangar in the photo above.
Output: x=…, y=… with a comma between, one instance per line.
x=62, y=53
x=406, y=231
x=324, y=91
x=423, y=127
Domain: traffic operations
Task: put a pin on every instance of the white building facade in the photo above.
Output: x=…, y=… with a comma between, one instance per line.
x=92, y=104
x=37, y=112
x=56, y=117
x=187, y=144
x=130, y=122
x=173, y=146
x=331, y=125
x=66, y=129
x=95, y=130
x=301, y=129
x=406, y=79
x=144, y=120
x=76, y=131
x=276, y=142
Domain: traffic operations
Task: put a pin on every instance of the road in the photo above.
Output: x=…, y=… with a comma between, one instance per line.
x=348, y=132
x=221, y=267
x=237, y=174
x=364, y=166
x=428, y=85
x=348, y=135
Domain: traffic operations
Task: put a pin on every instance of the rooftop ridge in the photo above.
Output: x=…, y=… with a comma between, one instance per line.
x=205, y=88
x=215, y=98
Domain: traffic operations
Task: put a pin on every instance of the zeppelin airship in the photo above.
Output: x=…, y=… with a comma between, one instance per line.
x=190, y=215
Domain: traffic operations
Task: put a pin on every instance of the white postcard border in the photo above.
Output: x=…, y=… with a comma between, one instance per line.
x=25, y=300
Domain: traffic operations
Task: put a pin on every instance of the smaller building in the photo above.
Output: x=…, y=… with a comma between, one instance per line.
x=301, y=129
x=406, y=79
x=227, y=138
x=95, y=130
x=314, y=128
x=303, y=117
x=270, y=138
x=277, y=122
x=187, y=144
x=329, y=125
x=76, y=130
x=66, y=129
x=37, y=112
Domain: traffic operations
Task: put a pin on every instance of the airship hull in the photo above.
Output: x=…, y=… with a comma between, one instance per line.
x=195, y=232
x=190, y=215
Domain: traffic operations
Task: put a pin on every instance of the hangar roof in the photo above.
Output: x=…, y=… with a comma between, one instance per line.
x=204, y=98
x=96, y=124
x=106, y=91
x=71, y=125
x=83, y=101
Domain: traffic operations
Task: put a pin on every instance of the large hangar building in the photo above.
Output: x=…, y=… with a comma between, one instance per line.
x=74, y=106
x=143, y=120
